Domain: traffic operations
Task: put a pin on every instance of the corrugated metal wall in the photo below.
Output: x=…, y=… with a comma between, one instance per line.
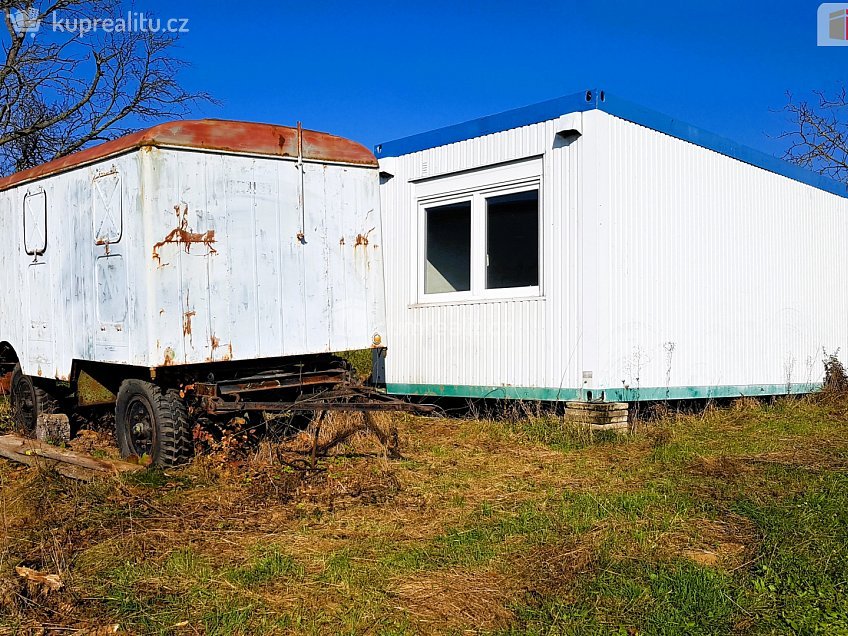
x=668, y=270
x=485, y=344
x=712, y=272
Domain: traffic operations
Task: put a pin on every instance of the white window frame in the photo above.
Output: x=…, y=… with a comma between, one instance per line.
x=509, y=292
x=422, y=250
x=476, y=187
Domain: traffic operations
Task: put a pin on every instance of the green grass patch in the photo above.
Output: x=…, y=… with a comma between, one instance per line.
x=800, y=583
x=553, y=431
x=360, y=360
x=268, y=563
x=626, y=598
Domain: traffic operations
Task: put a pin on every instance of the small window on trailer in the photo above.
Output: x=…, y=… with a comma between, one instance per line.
x=35, y=223
x=108, y=213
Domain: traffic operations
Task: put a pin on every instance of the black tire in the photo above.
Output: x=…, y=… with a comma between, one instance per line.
x=29, y=400
x=153, y=421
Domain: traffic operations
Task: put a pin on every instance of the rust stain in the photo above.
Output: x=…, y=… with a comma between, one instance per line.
x=341, y=241
x=182, y=235
x=170, y=356
x=362, y=239
x=216, y=344
x=5, y=384
x=187, y=322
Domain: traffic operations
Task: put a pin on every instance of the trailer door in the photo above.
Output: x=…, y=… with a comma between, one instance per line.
x=40, y=332
x=110, y=269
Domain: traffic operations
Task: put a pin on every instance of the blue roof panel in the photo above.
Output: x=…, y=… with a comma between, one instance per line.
x=595, y=99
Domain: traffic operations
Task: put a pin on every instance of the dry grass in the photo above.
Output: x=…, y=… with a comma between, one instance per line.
x=5, y=414
x=453, y=600
x=481, y=525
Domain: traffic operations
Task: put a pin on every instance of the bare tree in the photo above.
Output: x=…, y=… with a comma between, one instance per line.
x=819, y=135
x=62, y=89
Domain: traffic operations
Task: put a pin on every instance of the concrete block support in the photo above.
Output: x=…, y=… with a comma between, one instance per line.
x=598, y=416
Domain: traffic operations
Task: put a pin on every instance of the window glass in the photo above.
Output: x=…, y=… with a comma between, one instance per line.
x=512, y=240
x=35, y=223
x=108, y=215
x=448, y=248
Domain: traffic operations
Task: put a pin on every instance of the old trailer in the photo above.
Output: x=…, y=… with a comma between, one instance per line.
x=589, y=249
x=189, y=267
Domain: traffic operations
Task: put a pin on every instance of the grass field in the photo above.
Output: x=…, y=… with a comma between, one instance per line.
x=728, y=521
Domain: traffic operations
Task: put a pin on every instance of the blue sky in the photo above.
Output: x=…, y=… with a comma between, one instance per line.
x=375, y=71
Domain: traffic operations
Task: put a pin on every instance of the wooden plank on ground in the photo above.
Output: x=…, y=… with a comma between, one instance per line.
x=66, y=462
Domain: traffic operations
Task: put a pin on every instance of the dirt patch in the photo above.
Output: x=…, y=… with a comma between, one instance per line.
x=820, y=458
x=720, y=467
x=551, y=570
x=724, y=553
x=724, y=543
x=733, y=468
x=457, y=600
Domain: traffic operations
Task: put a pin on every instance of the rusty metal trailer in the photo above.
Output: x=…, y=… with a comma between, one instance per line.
x=206, y=265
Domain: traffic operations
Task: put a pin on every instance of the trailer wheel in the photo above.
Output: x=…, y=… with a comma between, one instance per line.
x=152, y=421
x=29, y=401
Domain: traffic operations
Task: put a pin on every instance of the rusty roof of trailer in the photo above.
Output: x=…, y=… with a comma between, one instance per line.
x=211, y=135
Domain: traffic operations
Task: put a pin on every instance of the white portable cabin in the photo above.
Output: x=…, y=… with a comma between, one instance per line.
x=586, y=248
x=191, y=243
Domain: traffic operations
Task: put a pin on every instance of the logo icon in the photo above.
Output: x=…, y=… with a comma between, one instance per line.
x=27, y=21
x=832, y=24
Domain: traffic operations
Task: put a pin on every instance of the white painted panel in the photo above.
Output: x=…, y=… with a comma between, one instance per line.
x=40, y=317
x=292, y=260
x=255, y=290
x=715, y=266
x=512, y=342
x=111, y=277
x=198, y=237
